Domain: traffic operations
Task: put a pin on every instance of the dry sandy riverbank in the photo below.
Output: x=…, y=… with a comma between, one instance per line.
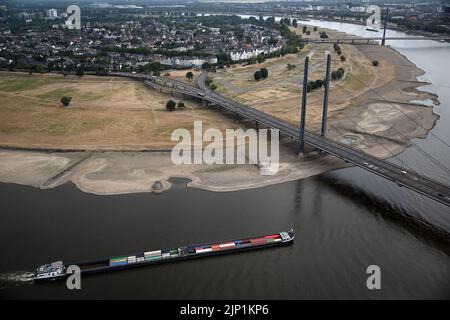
x=129, y=172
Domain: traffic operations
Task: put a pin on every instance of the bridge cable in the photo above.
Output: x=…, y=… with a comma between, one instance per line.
x=407, y=140
x=405, y=114
x=374, y=138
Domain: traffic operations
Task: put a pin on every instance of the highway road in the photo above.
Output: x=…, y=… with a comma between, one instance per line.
x=365, y=40
x=418, y=183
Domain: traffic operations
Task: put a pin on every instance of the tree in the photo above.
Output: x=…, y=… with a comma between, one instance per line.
x=264, y=73
x=375, y=63
x=338, y=74
x=66, y=101
x=190, y=75
x=305, y=28
x=206, y=66
x=315, y=28
x=270, y=21
x=323, y=35
x=294, y=23
x=272, y=41
x=39, y=68
x=337, y=49
x=343, y=58
x=208, y=81
x=170, y=105
x=260, y=58
x=319, y=83
x=213, y=87
x=334, y=75
x=223, y=57
x=181, y=106
x=252, y=60
x=308, y=32
x=156, y=73
x=80, y=71
x=257, y=75
x=313, y=85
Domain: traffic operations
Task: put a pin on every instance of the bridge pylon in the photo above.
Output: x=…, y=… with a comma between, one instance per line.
x=383, y=42
x=323, y=131
x=301, y=142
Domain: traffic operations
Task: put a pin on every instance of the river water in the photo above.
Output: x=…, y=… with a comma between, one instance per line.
x=344, y=221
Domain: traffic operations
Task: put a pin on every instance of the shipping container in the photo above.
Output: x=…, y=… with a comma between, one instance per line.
x=227, y=245
x=153, y=253
x=274, y=236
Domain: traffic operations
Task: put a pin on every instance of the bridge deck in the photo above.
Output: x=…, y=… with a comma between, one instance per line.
x=368, y=39
x=411, y=180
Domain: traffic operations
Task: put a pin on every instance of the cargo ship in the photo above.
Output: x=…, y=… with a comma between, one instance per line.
x=58, y=269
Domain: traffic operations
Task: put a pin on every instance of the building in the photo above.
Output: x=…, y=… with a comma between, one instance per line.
x=52, y=14
x=358, y=9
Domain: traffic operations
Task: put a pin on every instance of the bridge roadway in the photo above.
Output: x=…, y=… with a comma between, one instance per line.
x=411, y=180
x=356, y=40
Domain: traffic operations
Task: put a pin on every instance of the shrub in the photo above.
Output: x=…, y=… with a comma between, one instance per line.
x=291, y=66
x=343, y=58
x=323, y=35
x=208, y=81
x=375, y=63
x=213, y=87
x=257, y=75
x=170, y=105
x=189, y=75
x=181, y=106
x=66, y=101
x=338, y=74
x=264, y=73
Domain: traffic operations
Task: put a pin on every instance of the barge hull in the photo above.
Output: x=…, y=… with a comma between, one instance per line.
x=200, y=251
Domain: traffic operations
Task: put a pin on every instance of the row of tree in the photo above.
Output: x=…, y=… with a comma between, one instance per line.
x=338, y=74
x=317, y=84
x=172, y=105
x=210, y=84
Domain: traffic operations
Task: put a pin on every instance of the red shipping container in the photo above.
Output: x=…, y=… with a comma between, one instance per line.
x=275, y=236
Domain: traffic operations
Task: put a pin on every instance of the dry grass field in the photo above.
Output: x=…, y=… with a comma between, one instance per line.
x=105, y=113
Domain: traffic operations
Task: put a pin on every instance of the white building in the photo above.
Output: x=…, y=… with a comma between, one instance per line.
x=247, y=54
x=52, y=14
x=188, y=62
x=358, y=9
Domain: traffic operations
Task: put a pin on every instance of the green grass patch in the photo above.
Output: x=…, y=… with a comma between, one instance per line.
x=16, y=85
